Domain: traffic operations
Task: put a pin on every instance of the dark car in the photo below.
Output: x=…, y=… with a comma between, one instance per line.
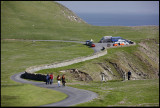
x=90, y=43
x=87, y=42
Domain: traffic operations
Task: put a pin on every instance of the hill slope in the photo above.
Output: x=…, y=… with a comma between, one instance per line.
x=37, y=20
x=50, y=20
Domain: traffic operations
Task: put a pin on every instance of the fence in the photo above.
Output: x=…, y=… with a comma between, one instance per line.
x=65, y=63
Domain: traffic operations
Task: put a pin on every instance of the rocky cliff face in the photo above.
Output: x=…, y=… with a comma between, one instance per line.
x=78, y=75
x=149, y=55
x=144, y=63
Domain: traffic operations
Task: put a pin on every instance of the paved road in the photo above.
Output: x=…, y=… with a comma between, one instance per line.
x=61, y=41
x=98, y=47
x=75, y=96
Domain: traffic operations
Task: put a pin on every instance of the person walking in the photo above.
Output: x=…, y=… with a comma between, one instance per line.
x=63, y=80
x=129, y=75
x=59, y=80
x=47, y=79
x=51, y=78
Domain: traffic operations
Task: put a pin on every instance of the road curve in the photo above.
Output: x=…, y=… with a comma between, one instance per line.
x=75, y=96
x=97, y=48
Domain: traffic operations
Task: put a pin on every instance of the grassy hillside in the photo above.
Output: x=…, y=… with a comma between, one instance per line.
x=49, y=20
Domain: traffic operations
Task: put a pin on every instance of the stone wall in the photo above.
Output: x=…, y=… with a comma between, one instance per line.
x=65, y=63
x=34, y=76
x=29, y=72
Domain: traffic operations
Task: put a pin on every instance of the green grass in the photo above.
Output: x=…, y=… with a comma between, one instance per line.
x=118, y=93
x=16, y=56
x=27, y=95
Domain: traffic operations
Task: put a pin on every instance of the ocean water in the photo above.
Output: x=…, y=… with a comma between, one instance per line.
x=99, y=19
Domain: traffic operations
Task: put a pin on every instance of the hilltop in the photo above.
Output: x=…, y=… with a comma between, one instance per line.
x=37, y=20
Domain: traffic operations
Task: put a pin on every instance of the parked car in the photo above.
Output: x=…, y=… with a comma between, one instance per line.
x=93, y=45
x=90, y=43
x=126, y=43
x=121, y=42
x=115, y=44
x=87, y=42
x=115, y=39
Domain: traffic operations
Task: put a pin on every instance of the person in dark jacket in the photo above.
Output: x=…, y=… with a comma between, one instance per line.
x=47, y=79
x=129, y=75
x=63, y=80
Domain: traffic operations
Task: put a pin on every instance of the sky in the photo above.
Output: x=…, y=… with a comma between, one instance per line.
x=113, y=7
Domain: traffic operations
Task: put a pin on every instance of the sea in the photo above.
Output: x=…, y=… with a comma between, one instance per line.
x=103, y=19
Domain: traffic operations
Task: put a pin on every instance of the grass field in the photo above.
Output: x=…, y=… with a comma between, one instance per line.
x=118, y=93
x=25, y=95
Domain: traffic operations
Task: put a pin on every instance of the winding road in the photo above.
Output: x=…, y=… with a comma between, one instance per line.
x=75, y=96
x=97, y=48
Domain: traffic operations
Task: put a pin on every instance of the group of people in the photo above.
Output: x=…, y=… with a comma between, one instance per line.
x=49, y=79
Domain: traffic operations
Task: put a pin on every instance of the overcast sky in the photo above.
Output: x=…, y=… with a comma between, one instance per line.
x=115, y=7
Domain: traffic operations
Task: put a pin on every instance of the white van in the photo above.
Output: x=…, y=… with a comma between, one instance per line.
x=120, y=41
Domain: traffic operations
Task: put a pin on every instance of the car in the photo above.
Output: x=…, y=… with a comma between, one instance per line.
x=93, y=45
x=121, y=42
x=87, y=42
x=115, y=44
x=125, y=43
x=90, y=43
